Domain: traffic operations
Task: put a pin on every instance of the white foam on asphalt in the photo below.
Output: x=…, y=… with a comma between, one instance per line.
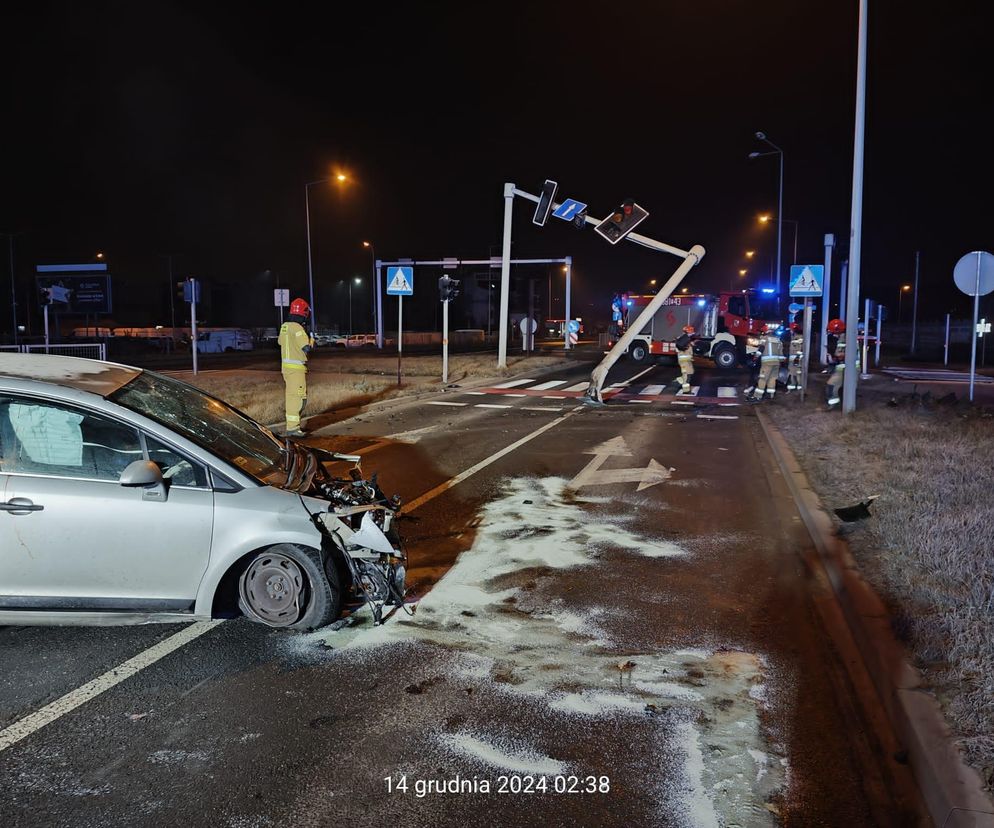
x=512, y=757
x=698, y=807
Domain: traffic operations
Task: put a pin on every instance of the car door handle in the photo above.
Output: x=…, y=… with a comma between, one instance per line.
x=19, y=505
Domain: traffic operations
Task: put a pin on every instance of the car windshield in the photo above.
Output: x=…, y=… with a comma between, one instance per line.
x=208, y=422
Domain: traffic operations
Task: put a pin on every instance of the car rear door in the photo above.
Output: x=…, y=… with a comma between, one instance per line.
x=73, y=538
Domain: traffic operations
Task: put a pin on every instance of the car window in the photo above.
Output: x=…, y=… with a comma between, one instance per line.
x=207, y=422
x=45, y=438
x=176, y=468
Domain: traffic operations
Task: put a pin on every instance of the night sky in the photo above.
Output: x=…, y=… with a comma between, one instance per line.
x=140, y=130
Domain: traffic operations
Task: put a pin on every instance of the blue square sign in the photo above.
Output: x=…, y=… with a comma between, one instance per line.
x=806, y=280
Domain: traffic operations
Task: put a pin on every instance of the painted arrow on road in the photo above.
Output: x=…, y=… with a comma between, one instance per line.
x=593, y=475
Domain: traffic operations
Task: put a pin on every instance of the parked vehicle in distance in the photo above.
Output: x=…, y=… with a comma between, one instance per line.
x=323, y=339
x=224, y=339
x=360, y=341
x=131, y=497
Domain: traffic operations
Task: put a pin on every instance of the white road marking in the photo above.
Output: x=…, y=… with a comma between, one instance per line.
x=540, y=408
x=728, y=391
x=682, y=402
x=652, y=390
x=452, y=481
x=554, y=397
x=490, y=405
x=691, y=393
x=580, y=386
x=545, y=386
x=593, y=475
x=630, y=380
x=728, y=405
x=515, y=395
x=33, y=722
x=477, y=393
x=646, y=402
x=513, y=383
x=715, y=417
x=441, y=402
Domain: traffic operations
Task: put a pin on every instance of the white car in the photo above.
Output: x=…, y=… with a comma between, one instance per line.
x=127, y=497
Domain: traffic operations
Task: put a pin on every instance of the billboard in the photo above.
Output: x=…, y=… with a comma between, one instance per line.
x=76, y=288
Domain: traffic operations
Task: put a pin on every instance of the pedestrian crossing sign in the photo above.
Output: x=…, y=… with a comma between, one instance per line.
x=806, y=280
x=400, y=281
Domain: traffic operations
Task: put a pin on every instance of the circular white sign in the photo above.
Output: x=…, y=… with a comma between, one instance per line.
x=528, y=326
x=965, y=273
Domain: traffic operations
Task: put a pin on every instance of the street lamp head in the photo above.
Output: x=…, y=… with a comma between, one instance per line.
x=763, y=219
x=753, y=155
x=761, y=136
x=357, y=280
x=742, y=271
x=905, y=287
x=341, y=177
x=366, y=244
x=750, y=254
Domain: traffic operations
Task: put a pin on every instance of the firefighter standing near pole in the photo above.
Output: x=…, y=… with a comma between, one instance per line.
x=795, y=353
x=771, y=351
x=837, y=327
x=295, y=343
x=685, y=357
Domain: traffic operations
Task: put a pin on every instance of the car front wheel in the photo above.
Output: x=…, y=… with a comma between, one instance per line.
x=289, y=586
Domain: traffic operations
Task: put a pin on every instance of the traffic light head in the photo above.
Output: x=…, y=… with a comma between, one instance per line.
x=44, y=296
x=545, y=203
x=448, y=288
x=622, y=221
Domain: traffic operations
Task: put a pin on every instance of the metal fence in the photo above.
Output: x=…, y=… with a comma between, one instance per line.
x=88, y=350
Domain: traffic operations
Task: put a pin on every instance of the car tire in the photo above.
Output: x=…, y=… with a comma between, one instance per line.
x=290, y=587
x=639, y=352
x=725, y=357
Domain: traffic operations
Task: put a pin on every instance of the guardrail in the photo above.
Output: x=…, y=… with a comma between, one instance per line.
x=87, y=350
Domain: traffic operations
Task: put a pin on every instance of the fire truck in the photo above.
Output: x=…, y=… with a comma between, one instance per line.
x=727, y=324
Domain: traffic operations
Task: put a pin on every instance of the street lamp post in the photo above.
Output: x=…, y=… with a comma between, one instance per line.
x=900, y=300
x=376, y=294
x=358, y=281
x=776, y=151
x=340, y=177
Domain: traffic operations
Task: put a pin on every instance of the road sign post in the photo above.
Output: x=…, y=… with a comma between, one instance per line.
x=400, y=283
x=191, y=289
x=974, y=275
x=826, y=300
x=806, y=282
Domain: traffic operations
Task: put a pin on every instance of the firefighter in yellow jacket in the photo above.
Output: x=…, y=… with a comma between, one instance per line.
x=295, y=343
x=769, y=366
x=837, y=327
x=795, y=353
x=685, y=357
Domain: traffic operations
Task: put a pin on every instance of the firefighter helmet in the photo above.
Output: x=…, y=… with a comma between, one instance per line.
x=688, y=329
x=836, y=326
x=299, y=307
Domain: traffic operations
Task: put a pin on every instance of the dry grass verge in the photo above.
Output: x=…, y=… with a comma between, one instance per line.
x=345, y=382
x=929, y=546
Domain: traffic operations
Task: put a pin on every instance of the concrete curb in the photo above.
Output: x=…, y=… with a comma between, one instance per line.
x=953, y=791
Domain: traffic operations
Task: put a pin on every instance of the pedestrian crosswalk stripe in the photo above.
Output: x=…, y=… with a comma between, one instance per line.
x=513, y=383
x=691, y=393
x=514, y=395
x=487, y=405
x=545, y=386
x=682, y=402
x=652, y=389
x=554, y=397
x=716, y=417
x=554, y=409
x=727, y=391
x=580, y=386
x=440, y=402
x=647, y=402
x=477, y=393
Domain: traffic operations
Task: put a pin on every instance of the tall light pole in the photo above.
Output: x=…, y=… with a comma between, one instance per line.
x=341, y=178
x=900, y=299
x=376, y=294
x=761, y=136
x=13, y=290
x=358, y=281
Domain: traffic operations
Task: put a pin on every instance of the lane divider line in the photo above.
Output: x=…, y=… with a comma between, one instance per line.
x=22, y=728
x=441, y=402
x=441, y=488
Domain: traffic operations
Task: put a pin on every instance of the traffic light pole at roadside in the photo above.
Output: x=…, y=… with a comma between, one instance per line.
x=448, y=289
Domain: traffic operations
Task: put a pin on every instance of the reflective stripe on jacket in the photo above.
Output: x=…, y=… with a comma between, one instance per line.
x=292, y=340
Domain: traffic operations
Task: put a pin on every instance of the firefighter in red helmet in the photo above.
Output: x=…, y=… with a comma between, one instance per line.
x=836, y=327
x=685, y=357
x=295, y=344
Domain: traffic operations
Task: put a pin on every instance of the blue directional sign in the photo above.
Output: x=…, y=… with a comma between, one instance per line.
x=795, y=308
x=573, y=326
x=806, y=280
x=400, y=281
x=569, y=209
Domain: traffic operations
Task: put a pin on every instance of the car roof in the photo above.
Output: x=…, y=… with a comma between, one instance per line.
x=94, y=376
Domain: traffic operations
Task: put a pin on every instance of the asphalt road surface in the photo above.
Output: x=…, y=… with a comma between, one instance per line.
x=614, y=625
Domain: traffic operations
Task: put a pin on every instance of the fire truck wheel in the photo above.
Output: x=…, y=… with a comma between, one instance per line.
x=639, y=352
x=726, y=357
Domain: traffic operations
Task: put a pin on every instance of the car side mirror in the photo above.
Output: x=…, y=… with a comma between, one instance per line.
x=141, y=473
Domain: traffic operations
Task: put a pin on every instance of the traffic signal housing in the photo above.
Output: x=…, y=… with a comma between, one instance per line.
x=44, y=296
x=545, y=203
x=448, y=288
x=622, y=221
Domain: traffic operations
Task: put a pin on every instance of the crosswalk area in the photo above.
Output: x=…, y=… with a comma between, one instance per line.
x=555, y=395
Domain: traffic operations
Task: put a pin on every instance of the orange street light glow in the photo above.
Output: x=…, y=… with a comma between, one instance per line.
x=742, y=272
x=764, y=218
x=750, y=254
